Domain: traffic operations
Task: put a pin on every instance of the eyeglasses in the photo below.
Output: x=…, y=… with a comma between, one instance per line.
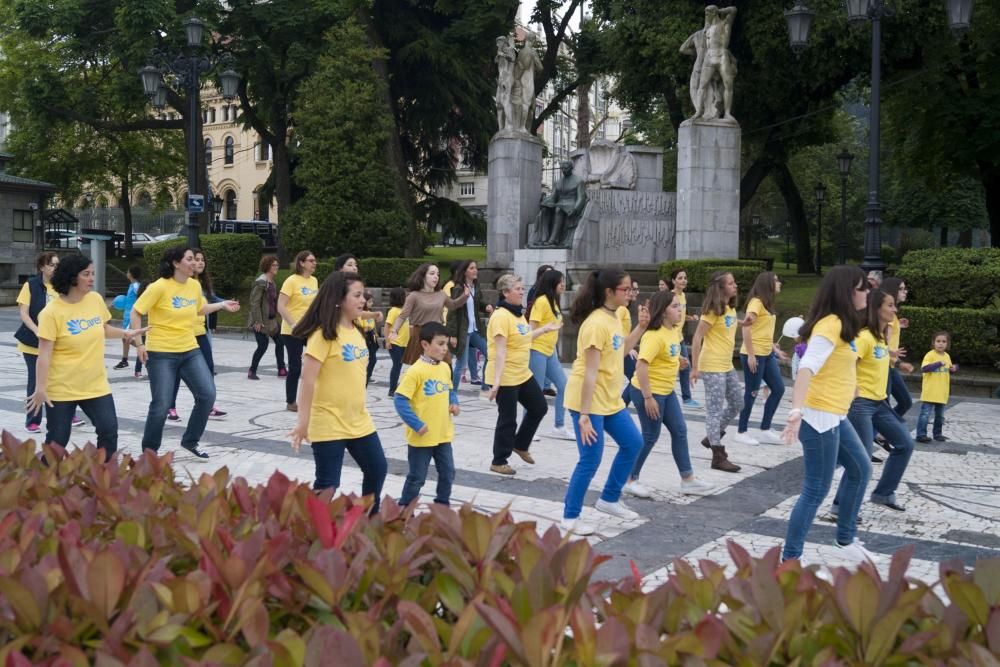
x=623, y=289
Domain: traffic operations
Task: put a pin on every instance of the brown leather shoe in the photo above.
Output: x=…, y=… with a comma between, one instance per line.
x=292, y=407
x=502, y=469
x=525, y=456
x=720, y=461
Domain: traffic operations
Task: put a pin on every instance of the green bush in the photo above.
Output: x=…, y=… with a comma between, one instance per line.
x=122, y=564
x=391, y=271
x=975, y=334
x=699, y=270
x=953, y=277
x=232, y=258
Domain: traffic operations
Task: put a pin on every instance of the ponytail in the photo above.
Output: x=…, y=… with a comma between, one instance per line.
x=592, y=294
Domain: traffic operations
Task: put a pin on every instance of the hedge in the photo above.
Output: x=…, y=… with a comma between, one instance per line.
x=391, y=271
x=953, y=277
x=975, y=334
x=231, y=258
x=699, y=270
x=121, y=563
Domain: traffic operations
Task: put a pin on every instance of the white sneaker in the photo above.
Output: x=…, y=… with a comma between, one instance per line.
x=745, y=439
x=617, y=509
x=855, y=551
x=576, y=527
x=637, y=489
x=770, y=437
x=536, y=438
x=562, y=433
x=696, y=487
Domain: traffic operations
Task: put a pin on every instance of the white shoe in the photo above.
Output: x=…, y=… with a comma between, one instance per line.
x=576, y=527
x=696, y=487
x=563, y=433
x=745, y=439
x=855, y=551
x=617, y=509
x=637, y=489
x=770, y=437
x=536, y=438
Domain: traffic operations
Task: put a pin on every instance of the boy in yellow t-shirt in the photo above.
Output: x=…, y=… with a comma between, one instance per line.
x=426, y=400
x=935, y=387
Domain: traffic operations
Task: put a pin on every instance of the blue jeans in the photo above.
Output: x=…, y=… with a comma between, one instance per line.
x=620, y=427
x=629, y=372
x=164, y=368
x=477, y=342
x=898, y=390
x=294, y=347
x=768, y=372
x=396, y=354
x=366, y=452
x=925, y=416
x=869, y=417
x=101, y=413
x=548, y=368
x=420, y=460
x=205, y=345
x=31, y=361
x=685, y=375
x=821, y=452
x=672, y=417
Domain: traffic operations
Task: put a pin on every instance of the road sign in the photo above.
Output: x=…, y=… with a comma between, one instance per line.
x=196, y=203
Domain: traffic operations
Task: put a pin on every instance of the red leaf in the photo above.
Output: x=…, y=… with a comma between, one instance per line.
x=16, y=658
x=276, y=490
x=346, y=527
x=635, y=574
x=711, y=632
x=320, y=517
x=499, y=655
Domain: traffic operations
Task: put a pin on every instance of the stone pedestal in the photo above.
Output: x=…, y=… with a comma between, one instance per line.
x=515, y=191
x=527, y=260
x=708, y=190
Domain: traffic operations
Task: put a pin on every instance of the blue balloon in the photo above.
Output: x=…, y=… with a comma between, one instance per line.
x=118, y=303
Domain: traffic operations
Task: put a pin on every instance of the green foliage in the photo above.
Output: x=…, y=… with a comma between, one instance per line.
x=141, y=569
x=699, y=271
x=232, y=258
x=452, y=219
x=953, y=277
x=975, y=334
x=388, y=272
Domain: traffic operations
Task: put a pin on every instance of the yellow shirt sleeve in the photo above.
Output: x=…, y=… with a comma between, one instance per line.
x=148, y=297
x=24, y=296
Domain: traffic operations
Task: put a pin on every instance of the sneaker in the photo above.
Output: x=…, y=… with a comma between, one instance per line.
x=121, y=364
x=199, y=455
x=282, y=373
x=922, y=438
x=172, y=415
x=139, y=376
x=745, y=439
x=618, y=509
x=79, y=422
x=502, y=469
x=696, y=487
x=891, y=504
x=562, y=433
x=392, y=394
x=576, y=527
x=691, y=403
x=252, y=376
x=883, y=443
x=637, y=489
x=833, y=515
x=940, y=438
x=33, y=428
x=856, y=552
x=876, y=459
x=549, y=392
x=217, y=413
x=770, y=437
x=536, y=438
x=292, y=407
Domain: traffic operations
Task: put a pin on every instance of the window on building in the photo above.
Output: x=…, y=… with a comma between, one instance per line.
x=211, y=115
x=263, y=151
x=208, y=153
x=24, y=226
x=467, y=189
x=230, y=205
x=144, y=200
x=229, y=151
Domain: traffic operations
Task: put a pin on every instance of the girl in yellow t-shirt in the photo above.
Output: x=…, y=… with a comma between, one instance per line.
x=71, y=372
x=896, y=288
x=297, y=292
x=509, y=337
x=594, y=397
x=652, y=390
x=397, y=297
x=677, y=283
x=333, y=416
x=936, y=386
x=823, y=392
x=545, y=364
x=759, y=356
x=712, y=359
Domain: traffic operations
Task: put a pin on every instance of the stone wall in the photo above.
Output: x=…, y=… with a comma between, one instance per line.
x=17, y=260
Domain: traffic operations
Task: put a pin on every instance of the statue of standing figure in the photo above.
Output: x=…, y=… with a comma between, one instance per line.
x=506, y=53
x=526, y=64
x=560, y=211
x=711, y=84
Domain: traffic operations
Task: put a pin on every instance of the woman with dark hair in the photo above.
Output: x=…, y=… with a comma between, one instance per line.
x=545, y=364
x=463, y=324
x=594, y=397
x=297, y=292
x=533, y=290
x=397, y=298
x=424, y=303
x=677, y=283
x=821, y=399
x=625, y=315
x=896, y=288
x=759, y=356
x=71, y=334
x=347, y=263
x=333, y=415
x=263, y=317
x=174, y=304
x=35, y=294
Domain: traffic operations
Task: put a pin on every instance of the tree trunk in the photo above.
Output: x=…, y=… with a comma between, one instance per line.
x=752, y=179
x=583, y=116
x=281, y=166
x=989, y=174
x=943, y=237
x=796, y=215
x=126, y=206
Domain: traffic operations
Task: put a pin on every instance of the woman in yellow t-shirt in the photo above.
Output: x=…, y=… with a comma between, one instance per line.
x=297, y=292
x=594, y=396
x=822, y=396
x=677, y=283
x=712, y=359
x=397, y=297
x=71, y=372
x=759, y=356
x=509, y=338
x=896, y=288
x=545, y=364
x=333, y=415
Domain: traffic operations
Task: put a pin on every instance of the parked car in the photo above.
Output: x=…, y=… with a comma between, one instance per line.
x=166, y=237
x=267, y=231
x=61, y=238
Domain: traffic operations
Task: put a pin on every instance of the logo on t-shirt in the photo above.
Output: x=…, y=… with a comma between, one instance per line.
x=880, y=352
x=617, y=341
x=674, y=349
x=307, y=291
x=853, y=346
x=353, y=352
x=730, y=320
x=435, y=387
x=179, y=302
x=523, y=329
x=79, y=326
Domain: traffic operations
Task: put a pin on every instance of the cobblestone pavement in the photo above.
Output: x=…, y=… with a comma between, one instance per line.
x=951, y=490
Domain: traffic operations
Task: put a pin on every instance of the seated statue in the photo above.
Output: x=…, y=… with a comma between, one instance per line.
x=560, y=211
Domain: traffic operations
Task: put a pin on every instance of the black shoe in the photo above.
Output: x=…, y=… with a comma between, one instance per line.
x=922, y=438
x=549, y=392
x=876, y=459
x=121, y=364
x=940, y=438
x=883, y=443
x=198, y=454
x=890, y=505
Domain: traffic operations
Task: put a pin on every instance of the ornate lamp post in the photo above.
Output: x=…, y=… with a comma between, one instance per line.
x=799, y=20
x=844, y=159
x=217, y=206
x=820, y=193
x=187, y=69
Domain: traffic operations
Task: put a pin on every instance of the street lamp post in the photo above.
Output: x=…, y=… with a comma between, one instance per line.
x=754, y=226
x=799, y=20
x=820, y=193
x=217, y=206
x=187, y=69
x=844, y=159
x=788, y=244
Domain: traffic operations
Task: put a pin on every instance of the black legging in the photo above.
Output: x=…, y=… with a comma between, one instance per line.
x=294, y=348
x=258, y=354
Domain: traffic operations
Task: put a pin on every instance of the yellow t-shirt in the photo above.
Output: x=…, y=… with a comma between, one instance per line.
x=661, y=349
x=77, y=370
x=873, y=366
x=935, y=387
x=717, y=346
x=832, y=389
x=173, y=309
x=625, y=318
x=403, y=335
x=24, y=298
x=200, y=323
x=447, y=291
x=428, y=387
x=894, y=333
x=300, y=292
x=762, y=329
x=541, y=312
x=602, y=331
x=338, y=406
x=683, y=300
x=517, y=331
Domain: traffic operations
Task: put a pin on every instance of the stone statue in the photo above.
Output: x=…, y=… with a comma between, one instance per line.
x=714, y=72
x=505, y=81
x=526, y=65
x=560, y=211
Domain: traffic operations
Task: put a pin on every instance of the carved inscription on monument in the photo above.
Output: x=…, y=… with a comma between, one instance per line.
x=636, y=219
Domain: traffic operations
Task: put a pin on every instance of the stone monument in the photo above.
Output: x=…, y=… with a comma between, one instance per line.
x=560, y=212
